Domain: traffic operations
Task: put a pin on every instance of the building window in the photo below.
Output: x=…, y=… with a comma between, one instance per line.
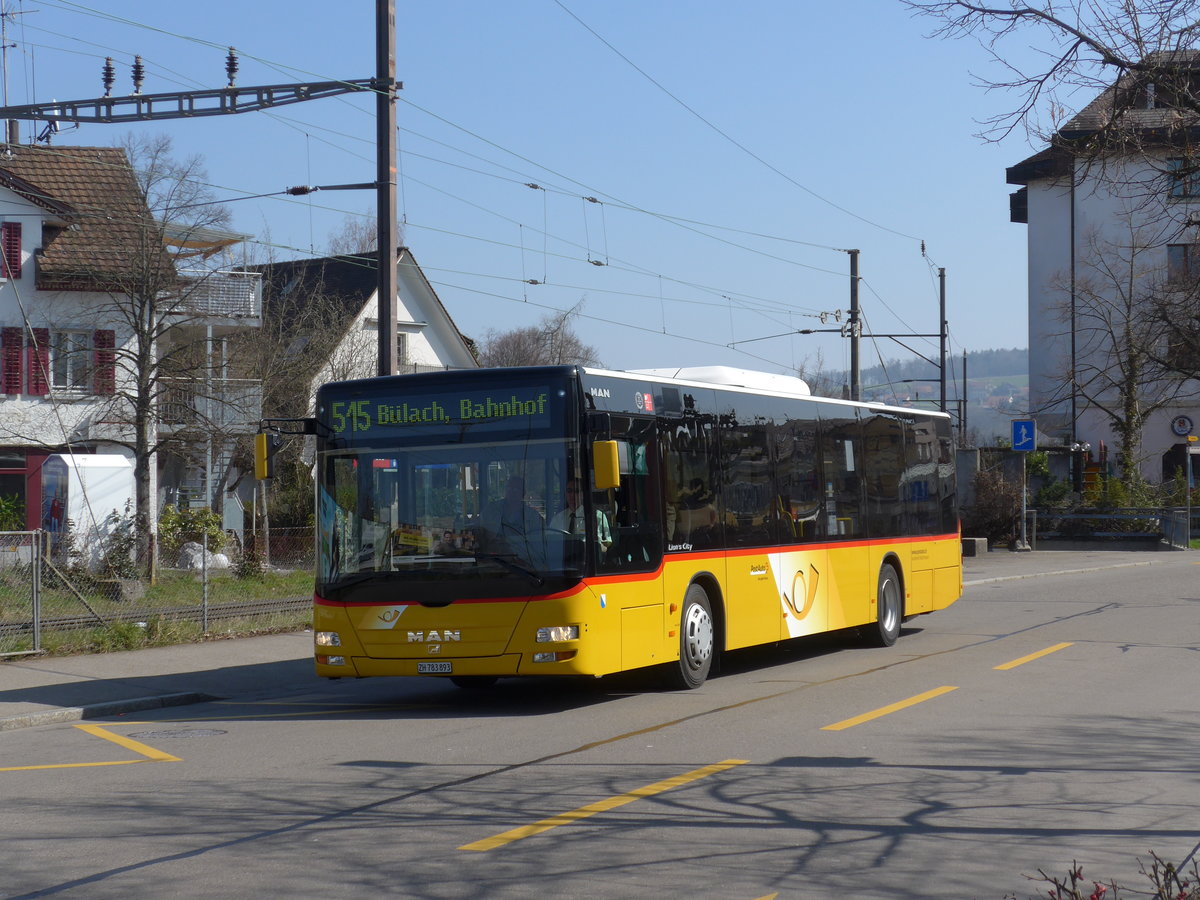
x=1185, y=177
x=10, y=250
x=1183, y=262
x=71, y=361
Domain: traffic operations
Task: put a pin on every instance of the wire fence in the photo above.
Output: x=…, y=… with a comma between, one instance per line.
x=50, y=596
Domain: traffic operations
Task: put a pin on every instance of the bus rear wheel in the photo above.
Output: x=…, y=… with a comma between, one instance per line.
x=888, y=606
x=696, y=641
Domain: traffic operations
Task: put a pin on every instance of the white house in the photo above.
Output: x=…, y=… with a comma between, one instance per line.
x=73, y=225
x=1105, y=237
x=426, y=337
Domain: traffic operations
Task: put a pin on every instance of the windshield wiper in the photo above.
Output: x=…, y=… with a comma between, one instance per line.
x=512, y=566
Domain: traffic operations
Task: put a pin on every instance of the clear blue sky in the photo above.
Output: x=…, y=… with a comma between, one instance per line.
x=869, y=122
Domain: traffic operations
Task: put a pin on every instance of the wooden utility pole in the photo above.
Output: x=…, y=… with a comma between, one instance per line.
x=855, y=330
x=385, y=149
x=943, y=328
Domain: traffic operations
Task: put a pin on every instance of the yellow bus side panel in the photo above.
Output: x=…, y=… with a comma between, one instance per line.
x=947, y=586
x=753, y=613
x=852, y=585
x=641, y=636
x=918, y=590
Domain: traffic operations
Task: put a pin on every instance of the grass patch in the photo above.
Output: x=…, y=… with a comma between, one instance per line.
x=175, y=590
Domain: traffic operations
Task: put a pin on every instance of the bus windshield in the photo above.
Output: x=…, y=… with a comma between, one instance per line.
x=454, y=505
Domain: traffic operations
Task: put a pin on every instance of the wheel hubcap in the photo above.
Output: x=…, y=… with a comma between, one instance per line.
x=890, y=607
x=697, y=636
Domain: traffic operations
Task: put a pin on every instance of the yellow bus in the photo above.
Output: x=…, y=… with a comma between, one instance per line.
x=575, y=521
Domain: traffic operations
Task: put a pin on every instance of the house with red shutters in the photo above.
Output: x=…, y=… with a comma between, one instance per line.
x=77, y=237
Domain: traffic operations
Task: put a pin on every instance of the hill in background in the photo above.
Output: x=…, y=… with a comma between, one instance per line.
x=997, y=386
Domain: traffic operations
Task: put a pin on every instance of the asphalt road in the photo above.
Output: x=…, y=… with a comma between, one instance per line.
x=1037, y=722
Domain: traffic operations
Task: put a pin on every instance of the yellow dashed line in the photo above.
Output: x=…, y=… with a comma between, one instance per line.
x=591, y=809
x=1012, y=664
x=891, y=708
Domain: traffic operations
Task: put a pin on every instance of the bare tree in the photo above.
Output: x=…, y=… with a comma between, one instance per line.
x=821, y=382
x=1131, y=53
x=551, y=342
x=357, y=234
x=1121, y=369
x=153, y=305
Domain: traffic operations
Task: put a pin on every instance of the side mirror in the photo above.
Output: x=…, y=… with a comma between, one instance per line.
x=606, y=465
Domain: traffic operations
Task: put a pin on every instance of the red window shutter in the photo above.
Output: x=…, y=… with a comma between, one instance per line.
x=12, y=340
x=105, y=368
x=10, y=247
x=38, y=356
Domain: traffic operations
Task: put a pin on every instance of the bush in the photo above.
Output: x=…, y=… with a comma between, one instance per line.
x=177, y=527
x=249, y=564
x=1053, y=493
x=1168, y=882
x=12, y=513
x=119, y=547
x=997, y=511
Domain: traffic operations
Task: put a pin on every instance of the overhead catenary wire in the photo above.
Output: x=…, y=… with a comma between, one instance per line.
x=545, y=231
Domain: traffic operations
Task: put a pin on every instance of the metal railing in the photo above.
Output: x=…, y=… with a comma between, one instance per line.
x=219, y=403
x=1168, y=525
x=229, y=295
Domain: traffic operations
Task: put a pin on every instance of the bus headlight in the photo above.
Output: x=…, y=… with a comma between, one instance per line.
x=328, y=639
x=558, y=633
x=331, y=660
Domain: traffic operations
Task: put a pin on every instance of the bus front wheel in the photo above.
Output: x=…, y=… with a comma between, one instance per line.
x=696, y=641
x=889, y=607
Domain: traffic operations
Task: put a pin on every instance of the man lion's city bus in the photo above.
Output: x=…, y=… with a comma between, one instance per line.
x=573, y=521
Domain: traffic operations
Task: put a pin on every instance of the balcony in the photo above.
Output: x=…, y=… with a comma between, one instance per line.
x=236, y=296
x=228, y=405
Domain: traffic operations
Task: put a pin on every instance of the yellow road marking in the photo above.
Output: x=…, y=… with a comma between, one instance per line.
x=120, y=762
x=591, y=809
x=1012, y=664
x=890, y=708
x=129, y=744
x=149, y=753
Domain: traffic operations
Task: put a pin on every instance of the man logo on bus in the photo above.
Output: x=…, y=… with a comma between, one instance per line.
x=433, y=637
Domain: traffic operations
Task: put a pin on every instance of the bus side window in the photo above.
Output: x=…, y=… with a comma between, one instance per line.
x=801, y=489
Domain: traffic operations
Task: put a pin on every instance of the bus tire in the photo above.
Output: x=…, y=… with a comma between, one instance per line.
x=697, y=640
x=889, y=607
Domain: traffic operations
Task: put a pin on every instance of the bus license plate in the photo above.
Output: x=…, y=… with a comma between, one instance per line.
x=434, y=668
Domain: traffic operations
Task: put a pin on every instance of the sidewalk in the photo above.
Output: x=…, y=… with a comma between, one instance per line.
x=39, y=691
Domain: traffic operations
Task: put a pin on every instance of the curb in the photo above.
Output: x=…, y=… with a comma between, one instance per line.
x=99, y=710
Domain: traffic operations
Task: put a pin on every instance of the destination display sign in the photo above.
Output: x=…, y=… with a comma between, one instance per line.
x=507, y=408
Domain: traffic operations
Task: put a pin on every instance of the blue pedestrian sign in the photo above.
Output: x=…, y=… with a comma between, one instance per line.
x=1024, y=435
